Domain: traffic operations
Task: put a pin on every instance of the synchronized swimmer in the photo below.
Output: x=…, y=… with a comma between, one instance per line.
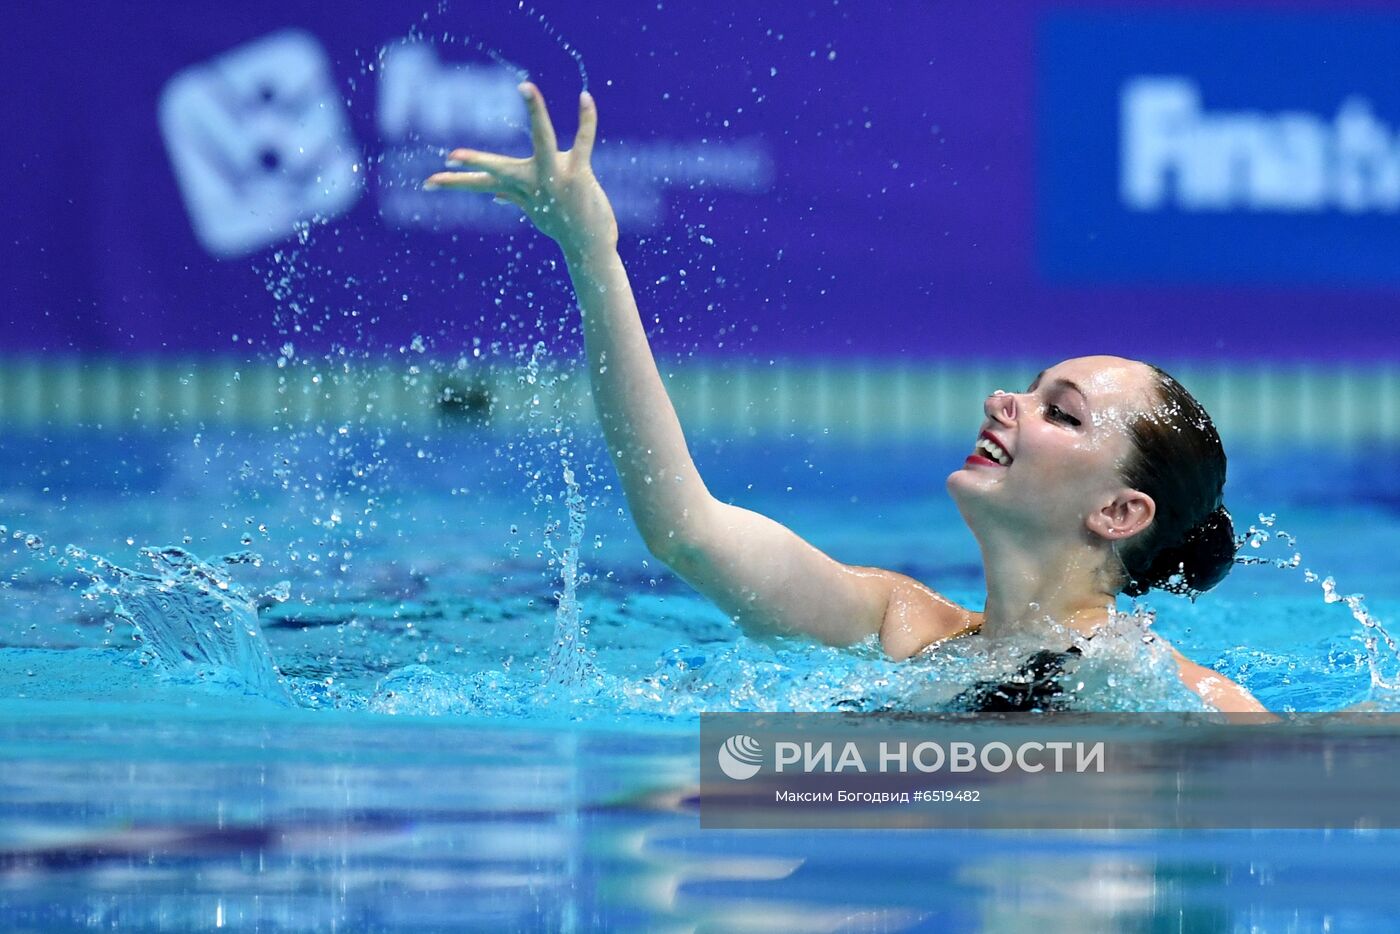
x=1104, y=477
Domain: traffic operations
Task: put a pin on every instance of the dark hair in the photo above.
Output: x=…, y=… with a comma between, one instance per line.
x=1178, y=460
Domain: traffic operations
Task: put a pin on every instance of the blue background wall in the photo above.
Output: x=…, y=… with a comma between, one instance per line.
x=917, y=179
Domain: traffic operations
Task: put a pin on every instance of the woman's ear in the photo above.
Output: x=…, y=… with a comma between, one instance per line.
x=1124, y=516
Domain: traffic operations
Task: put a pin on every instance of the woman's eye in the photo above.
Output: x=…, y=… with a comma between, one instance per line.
x=1055, y=413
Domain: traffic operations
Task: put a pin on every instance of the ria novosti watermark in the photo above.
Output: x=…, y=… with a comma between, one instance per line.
x=1083, y=771
x=741, y=757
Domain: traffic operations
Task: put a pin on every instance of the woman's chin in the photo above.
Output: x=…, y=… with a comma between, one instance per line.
x=977, y=496
x=967, y=481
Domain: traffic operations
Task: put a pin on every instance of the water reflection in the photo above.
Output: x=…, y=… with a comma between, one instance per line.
x=291, y=822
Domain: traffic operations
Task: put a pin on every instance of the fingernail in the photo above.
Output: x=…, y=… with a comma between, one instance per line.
x=456, y=164
x=586, y=97
x=430, y=185
x=524, y=90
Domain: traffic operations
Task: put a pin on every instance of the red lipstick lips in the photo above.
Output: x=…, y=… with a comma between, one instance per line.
x=980, y=458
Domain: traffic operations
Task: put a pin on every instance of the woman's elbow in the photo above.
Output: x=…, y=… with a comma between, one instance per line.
x=663, y=544
x=674, y=545
x=674, y=537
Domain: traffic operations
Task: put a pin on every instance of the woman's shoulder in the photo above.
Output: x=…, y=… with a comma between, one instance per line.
x=917, y=616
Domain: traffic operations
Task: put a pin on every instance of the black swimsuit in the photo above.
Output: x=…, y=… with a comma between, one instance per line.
x=1035, y=686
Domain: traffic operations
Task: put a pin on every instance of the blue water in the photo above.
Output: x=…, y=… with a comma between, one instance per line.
x=435, y=685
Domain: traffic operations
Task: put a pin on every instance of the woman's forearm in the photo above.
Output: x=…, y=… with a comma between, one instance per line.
x=664, y=490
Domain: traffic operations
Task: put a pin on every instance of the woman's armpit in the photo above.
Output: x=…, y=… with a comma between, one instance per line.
x=917, y=617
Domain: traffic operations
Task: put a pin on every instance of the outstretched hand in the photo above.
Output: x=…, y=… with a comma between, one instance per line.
x=556, y=190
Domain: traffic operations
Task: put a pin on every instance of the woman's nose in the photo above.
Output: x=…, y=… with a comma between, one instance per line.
x=1001, y=407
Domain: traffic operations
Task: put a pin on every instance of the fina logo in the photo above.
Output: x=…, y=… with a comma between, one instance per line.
x=740, y=757
x=427, y=106
x=1174, y=153
x=259, y=138
x=421, y=96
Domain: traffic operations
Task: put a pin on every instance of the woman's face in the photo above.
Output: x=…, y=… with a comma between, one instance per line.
x=1057, y=450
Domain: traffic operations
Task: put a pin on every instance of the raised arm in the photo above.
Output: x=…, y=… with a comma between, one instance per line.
x=756, y=570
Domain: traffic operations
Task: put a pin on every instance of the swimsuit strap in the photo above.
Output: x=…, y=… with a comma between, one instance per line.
x=1034, y=686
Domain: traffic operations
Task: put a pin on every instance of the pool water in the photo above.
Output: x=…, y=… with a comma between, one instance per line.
x=439, y=683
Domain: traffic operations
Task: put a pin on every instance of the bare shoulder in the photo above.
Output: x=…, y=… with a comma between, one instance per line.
x=1214, y=688
x=918, y=616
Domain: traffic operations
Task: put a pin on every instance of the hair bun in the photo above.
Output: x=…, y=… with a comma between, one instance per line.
x=1199, y=562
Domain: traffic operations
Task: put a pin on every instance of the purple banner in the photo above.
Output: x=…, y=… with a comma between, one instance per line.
x=918, y=179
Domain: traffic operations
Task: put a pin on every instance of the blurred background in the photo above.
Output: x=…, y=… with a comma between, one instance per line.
x=846, y=217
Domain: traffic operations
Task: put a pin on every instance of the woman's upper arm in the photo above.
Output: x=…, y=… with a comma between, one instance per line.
x=768, y=578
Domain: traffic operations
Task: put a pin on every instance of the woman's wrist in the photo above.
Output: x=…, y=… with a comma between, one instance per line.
x=591, y=254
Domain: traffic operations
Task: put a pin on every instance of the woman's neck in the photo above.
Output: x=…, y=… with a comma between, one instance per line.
x=1028, y=589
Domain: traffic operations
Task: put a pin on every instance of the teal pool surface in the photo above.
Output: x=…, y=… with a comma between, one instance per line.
x=444, y=687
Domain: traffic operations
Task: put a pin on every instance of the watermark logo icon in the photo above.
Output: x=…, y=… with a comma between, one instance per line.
x=741, y=757
x=259, y=141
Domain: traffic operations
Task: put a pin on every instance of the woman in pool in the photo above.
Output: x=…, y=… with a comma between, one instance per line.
x=1105, y=476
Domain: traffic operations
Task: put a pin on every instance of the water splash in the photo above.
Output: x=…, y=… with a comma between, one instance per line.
x=1384, y=663
x=191, y=618
x=569, y=664
x=1382, y=649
